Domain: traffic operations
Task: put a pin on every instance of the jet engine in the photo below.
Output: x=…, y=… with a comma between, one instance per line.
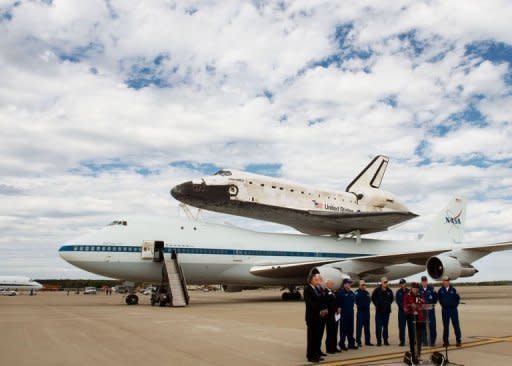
x=331, y=273
x=440, y=266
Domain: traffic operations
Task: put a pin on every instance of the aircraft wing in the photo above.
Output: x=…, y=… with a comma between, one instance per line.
x=353, y=265
x=489, y=248
x=365, y=222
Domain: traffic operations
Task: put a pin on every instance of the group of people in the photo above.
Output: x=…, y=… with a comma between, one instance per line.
x=333, y=313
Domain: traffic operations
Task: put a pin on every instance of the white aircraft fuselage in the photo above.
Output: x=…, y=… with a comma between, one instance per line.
x=210, y=253
x=19, y=283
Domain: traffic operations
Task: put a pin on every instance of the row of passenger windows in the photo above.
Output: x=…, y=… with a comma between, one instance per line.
x=302, y=192
x=93, y=248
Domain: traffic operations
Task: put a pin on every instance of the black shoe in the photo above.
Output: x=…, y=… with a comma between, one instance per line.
x=322, y=354
x=458, y=344
x=446, y=344
x=331, y=352
x=386, y=343
x=401, y=344
x=369, y=344
x=354, y=347
x=343, y=348
x=432, y=344
x=359, y=344
x=379, y=344
x=314, y=360
x=424, y=344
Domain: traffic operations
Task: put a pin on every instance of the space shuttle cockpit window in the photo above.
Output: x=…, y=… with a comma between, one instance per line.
x=224, y=173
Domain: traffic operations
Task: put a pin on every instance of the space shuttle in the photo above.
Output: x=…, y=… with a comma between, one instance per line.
x=362, y=208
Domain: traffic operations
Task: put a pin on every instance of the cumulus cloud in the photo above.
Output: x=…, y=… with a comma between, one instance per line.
x=105, y=105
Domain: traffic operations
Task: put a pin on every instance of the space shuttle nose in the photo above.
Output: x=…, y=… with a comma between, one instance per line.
x=182, y=190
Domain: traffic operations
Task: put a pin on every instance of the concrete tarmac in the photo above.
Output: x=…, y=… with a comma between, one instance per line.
x=248, y=328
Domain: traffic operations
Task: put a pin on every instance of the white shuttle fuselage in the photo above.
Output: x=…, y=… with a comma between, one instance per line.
x=363, y=207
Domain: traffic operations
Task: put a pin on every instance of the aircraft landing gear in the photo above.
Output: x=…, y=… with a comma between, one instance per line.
x=132, y=299
x=160, y=297
x=291, y=295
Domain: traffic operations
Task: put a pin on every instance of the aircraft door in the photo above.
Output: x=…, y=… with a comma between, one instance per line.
x=151, y=249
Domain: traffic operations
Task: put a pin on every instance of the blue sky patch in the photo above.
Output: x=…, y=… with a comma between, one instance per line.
x=390, y=100
x=93, y=168
x=481, y=161
x=272, y=169
x=203, y=168
x=316, y=121
x=80, y=53
x=153, y=72
x=422, y=151
x=496, y=52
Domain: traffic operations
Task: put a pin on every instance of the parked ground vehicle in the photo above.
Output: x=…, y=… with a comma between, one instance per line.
x=7, y=292
x=90, y=291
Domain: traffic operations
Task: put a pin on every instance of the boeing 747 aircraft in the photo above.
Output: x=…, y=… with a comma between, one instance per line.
x=363, y=208
x=238, y=258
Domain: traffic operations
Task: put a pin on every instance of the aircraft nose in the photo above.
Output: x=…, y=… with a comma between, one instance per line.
x=64, y=252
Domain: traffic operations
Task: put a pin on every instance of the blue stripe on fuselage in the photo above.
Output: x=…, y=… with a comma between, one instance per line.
x=214, y=251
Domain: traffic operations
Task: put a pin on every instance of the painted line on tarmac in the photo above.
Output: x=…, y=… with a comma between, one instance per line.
x=395, y=355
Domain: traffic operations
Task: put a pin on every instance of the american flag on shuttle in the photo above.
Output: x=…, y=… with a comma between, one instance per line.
x=318, y=204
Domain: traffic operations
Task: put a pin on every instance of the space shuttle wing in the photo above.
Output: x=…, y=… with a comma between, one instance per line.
x=365, y=222
x=356, y=264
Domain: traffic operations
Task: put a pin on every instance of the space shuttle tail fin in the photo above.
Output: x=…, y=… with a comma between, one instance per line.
x=371, y=176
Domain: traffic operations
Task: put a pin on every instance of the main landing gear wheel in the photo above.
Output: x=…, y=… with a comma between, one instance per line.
x=132, y=299
x=291, y=296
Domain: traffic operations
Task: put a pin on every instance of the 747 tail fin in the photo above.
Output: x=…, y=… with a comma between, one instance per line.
x=449, y=224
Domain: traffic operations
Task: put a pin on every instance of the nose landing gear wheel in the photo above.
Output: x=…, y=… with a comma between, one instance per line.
x=132, y=299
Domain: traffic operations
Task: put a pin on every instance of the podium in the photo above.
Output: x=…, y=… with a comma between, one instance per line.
x=419, y=323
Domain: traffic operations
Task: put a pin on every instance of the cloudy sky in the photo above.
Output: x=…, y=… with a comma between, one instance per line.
x=105, y=105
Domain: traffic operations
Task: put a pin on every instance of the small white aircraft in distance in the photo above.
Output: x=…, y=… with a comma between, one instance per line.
x=10, y=284
x=363, y=208
x=240, y=259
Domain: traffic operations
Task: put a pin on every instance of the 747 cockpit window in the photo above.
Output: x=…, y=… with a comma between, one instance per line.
x=124, y=223
x=223, y=172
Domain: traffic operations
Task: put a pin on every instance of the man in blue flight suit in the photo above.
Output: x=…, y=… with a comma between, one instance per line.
x=449, y=300
x=363, y=300
x=402, y=319
x=345, y=300
x=429, y=294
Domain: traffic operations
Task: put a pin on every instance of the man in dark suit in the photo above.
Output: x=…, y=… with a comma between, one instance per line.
x=331, y=325
x=315, y=311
